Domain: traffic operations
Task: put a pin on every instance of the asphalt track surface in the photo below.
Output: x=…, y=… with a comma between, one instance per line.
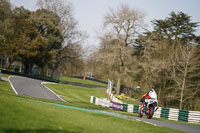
x=34, y=88
x=189, y=128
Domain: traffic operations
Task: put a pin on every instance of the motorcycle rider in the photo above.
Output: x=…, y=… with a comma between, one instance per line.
x=146, y=95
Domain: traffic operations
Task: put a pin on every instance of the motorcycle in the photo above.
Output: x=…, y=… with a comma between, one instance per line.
x=149, y=106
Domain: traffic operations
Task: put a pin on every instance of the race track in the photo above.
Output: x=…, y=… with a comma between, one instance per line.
x=32, y=87
x=189, y=128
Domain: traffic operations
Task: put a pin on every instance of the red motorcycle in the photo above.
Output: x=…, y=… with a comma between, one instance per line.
x=149, y=106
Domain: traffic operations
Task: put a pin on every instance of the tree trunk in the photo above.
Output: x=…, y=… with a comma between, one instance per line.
x=159, y=97
x=118, y=85
x=52, y=73
x=184, y=82
x=182, y=89
x=54, y=70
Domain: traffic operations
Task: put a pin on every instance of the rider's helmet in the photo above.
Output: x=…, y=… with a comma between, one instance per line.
x=152, y=89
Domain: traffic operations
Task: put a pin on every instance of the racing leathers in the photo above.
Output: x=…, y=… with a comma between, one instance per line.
x=147, y=95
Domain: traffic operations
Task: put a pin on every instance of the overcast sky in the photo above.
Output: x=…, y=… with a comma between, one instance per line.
x=90, y=13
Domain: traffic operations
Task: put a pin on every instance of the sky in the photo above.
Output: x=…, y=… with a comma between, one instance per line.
x=90, y=13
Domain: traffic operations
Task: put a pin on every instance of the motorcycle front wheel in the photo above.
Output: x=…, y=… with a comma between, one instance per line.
x=140, y=113
x=151, y=112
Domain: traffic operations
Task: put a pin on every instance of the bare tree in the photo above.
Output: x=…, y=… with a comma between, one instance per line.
x=68, y=23
x=155, y=65
x=186, y=71
x=173, y=68
x=123, y=26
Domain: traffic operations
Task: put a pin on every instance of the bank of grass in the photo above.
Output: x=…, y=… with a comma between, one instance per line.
x=26, y=115
x=5, y=75
x=89, y=82
x=76, y=95
x=127, y=99
x=81, y=81
x=80, y=97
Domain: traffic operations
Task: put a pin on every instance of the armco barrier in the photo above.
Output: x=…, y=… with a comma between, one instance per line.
x=93, y=99
x=117, y=106
x=157, y=113
x=109, y=92
x=135, y=109
x=164, y=113
x=194, y=117
x=168, y=113
x=102, y=102
x=183, y=115
x=173, y=114
x=179, y=115
x=130, y=108
x=125, y=107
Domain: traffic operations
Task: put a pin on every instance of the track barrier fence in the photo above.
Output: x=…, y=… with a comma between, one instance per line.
x=168, y=113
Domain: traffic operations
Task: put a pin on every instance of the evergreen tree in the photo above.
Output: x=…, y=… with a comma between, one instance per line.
x=176, y=27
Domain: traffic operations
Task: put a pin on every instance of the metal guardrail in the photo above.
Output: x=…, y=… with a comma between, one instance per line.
x=168, y=113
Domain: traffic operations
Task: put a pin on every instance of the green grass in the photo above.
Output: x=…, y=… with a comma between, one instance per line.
x=77, y=96
x=80, y=97
x=5, y=75
x=25, y=115
x=130, y=101
x=5, y=87
x=81, y=81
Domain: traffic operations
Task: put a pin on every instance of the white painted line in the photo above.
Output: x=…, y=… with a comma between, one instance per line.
x=146, y=122
x=150, y=123
x=51, y=90
x=138, y=120
x=13, y=88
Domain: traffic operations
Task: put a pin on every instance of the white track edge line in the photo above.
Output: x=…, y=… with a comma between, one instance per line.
x=150, y=123
x=13, y=88
x=146, y=122
x=52, y=91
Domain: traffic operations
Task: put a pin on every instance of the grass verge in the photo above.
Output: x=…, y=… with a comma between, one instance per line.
x=80, y=97
x=81, y=81
x=77, y=96
x=5, y=75
x=25, y=115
